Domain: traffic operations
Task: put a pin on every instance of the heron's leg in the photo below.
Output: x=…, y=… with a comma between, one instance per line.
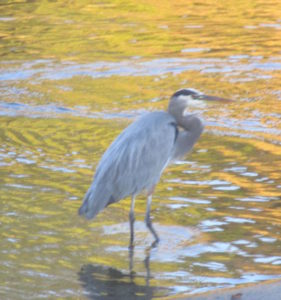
x=148, y=220
x=131, y=262
x=132, y=220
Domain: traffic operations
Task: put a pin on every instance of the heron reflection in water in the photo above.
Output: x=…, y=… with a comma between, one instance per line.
x=108, y=283
x=136, y=159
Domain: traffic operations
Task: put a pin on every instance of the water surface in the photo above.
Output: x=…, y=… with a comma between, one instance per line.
x=73, y=76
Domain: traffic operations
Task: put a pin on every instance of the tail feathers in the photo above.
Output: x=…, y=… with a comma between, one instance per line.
x=83, y=210
x=88, y=208
x=93, y=204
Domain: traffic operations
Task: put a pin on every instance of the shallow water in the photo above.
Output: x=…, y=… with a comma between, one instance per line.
x=73, y=75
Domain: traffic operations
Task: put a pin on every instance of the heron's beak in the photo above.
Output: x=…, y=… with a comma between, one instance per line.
x=213, y=98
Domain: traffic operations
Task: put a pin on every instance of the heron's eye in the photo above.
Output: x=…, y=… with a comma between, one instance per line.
x=196, y=96
x=199, y=97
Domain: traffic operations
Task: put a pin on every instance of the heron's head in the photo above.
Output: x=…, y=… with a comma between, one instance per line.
x=184, y=98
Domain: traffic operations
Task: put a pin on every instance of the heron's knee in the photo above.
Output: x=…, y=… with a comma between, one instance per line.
x=148, y=221
x=132, y=216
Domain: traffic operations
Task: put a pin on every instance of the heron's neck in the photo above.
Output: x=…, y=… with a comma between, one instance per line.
x=177, y=112
x=189, y=122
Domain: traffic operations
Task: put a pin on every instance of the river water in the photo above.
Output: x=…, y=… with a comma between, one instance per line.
x=73, y=75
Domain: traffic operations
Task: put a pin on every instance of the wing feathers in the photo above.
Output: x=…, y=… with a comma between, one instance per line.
x=132, y=163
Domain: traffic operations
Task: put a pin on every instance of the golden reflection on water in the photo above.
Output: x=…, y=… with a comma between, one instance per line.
x=73, y=75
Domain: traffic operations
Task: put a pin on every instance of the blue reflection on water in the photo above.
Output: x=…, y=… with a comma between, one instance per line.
x=134, y=67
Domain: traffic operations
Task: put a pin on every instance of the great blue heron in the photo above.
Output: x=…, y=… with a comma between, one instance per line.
x=136, y=159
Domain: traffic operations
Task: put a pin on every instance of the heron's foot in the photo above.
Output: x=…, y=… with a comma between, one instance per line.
x=131, y=261
x=155, y=244
x=152, y=230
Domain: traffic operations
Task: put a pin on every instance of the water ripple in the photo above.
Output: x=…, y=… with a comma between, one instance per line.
x=52, y=70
